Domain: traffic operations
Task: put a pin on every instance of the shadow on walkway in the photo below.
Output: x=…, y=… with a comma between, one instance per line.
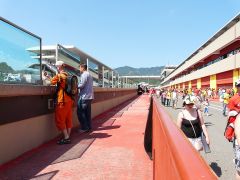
x=207, y=124
x=216, y=169
x=31, y=163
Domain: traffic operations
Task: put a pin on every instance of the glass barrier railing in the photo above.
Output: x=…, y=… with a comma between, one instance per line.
x=19, y=55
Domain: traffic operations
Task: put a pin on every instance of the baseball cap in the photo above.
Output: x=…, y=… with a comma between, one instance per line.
x=189, y=99
x=59, y=63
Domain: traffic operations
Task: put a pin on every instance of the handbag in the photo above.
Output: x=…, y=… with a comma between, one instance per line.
x=206, y=146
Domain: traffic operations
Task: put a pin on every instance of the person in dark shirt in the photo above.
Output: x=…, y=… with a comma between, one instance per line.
x=139, y=90
x=191, y=122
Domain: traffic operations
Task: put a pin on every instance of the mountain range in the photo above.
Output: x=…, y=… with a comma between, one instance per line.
x=130, y=71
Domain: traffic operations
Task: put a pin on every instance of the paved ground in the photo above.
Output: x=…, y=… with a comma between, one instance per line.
x=221, y=157
x=114, y=150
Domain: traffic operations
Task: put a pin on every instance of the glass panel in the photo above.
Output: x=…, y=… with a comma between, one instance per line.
x=19, y=55
x=68, y=57
x=72, y=61
x=92, y=66
x=115, y=76
x=106, y=74
x=68, y=54
x=100, y=79
x=93, y=70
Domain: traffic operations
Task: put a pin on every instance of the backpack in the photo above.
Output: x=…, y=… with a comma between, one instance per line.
x=71, y=85
x=229, y=130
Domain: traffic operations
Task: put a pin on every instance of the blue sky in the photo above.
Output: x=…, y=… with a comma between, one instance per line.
x=137, y=33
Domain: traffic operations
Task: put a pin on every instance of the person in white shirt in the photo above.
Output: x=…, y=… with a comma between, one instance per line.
x=174, y=99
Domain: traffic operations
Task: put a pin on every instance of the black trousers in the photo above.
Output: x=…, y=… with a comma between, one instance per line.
x=84, y=114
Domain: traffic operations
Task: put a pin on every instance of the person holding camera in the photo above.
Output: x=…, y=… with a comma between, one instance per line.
x=63, y=104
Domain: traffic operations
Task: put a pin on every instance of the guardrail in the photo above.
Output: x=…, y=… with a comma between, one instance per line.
x=173, y=155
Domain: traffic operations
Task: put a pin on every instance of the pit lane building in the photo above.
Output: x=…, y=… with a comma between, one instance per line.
x=216, y=64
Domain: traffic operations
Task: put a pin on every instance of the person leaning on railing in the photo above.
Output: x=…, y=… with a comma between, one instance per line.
x=191, y=122
x=64, y=104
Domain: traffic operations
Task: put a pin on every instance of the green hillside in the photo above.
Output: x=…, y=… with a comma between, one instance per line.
x=130, y=71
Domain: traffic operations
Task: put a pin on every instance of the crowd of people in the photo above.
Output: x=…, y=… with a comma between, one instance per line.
x=170, y=97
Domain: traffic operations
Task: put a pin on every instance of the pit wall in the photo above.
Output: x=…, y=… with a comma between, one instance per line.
x=27, y=122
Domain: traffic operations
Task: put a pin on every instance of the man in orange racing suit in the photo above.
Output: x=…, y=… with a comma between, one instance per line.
x=64, y=104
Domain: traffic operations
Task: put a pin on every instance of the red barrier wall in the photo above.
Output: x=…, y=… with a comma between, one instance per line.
x=173, y=155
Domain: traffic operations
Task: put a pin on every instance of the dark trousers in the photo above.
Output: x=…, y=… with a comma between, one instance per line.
x=164, y=101
x=225, y=109
x=84, y=114
x=168, y=101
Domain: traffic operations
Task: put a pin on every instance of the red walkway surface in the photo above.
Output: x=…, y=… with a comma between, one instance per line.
x=114, y=150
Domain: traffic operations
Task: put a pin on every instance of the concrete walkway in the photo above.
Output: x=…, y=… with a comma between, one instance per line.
x=114, y=150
